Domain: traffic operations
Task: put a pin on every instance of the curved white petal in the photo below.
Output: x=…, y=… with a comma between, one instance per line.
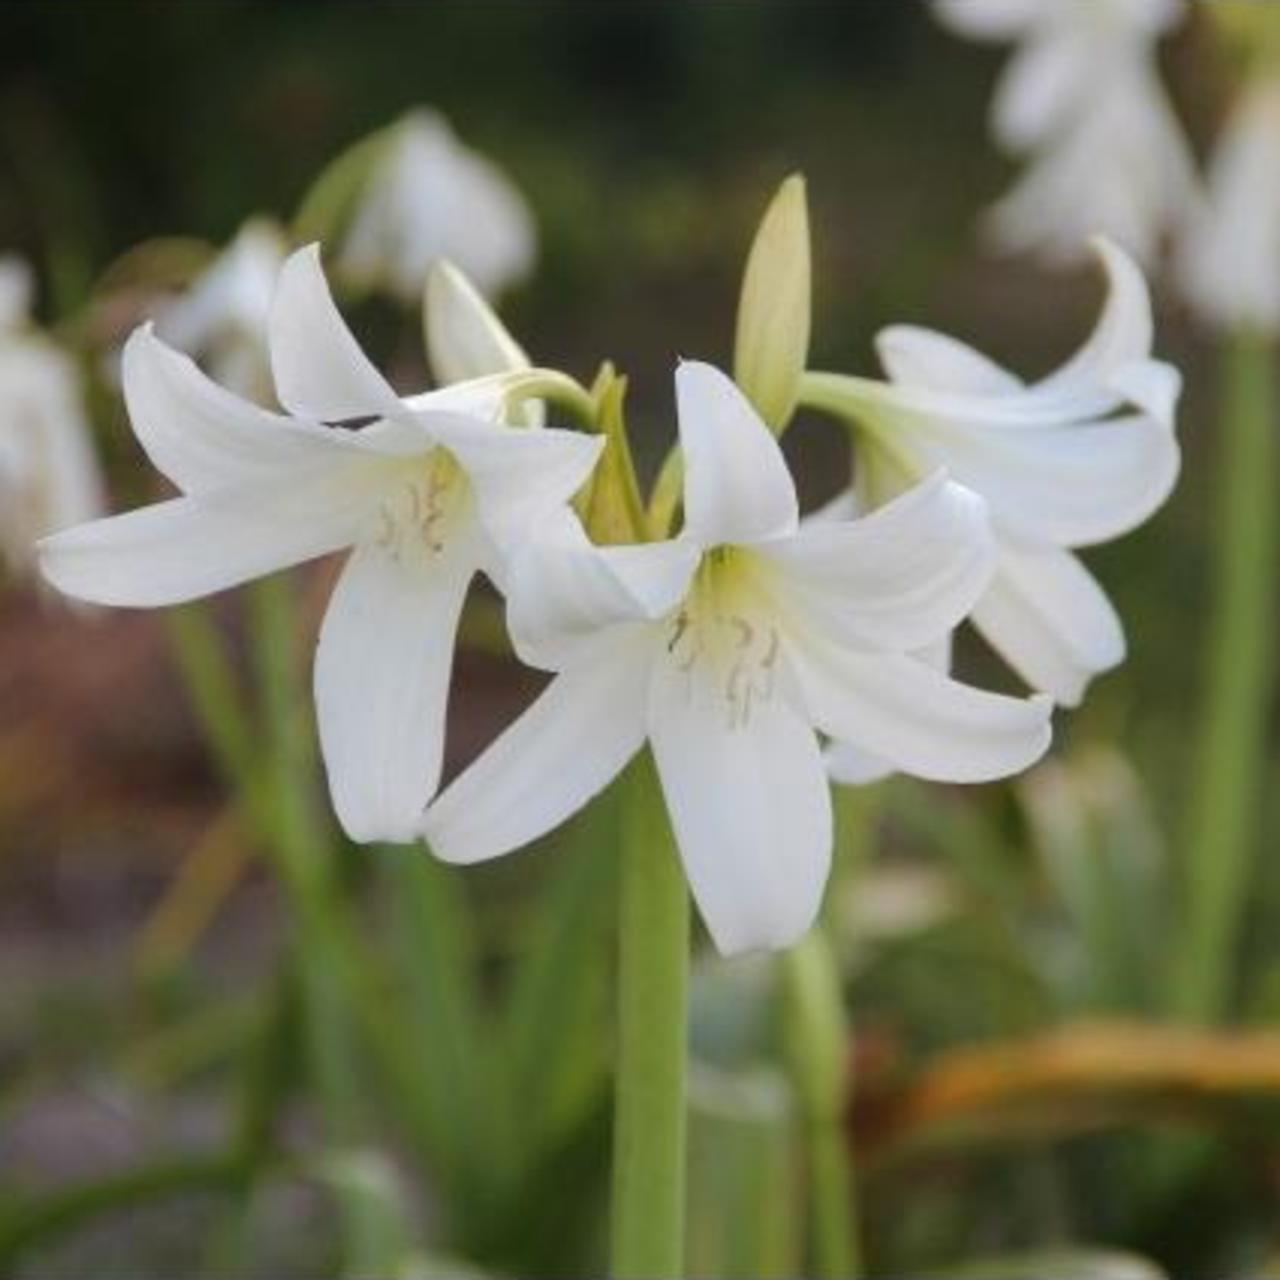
x=1047, y=617
x=203, y=437
x=852, y=766
x=382, y=680
x=192, y=546
x=749, y=803
x=1068, y=485
x=1044, y=81
x=563, y=590
x=917, y=357
x=923, y=722
x=898, y=578
x=564, y=749
x=990, y=19
x=519, y=476
x=320, y=371
x=1122, y=335
x=737, y=486
x=465, y=339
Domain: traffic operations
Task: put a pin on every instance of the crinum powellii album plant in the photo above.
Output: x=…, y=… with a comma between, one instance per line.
x=735, y=644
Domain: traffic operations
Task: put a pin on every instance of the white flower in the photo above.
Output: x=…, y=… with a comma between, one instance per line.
x=430, y=197
x=1231, y=258
x=49, y=475
x=1057, y=466
x=729, y=649
x=1082, y=99
x=425, y=494
x=222, y=319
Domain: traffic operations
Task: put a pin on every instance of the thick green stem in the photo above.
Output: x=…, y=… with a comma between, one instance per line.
x=1241, y=665
x=653, y=975
x=817, y=1036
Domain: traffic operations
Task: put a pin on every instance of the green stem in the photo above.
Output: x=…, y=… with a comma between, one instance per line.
x=653, y=975
x=817, y=1035
x=1226, y=797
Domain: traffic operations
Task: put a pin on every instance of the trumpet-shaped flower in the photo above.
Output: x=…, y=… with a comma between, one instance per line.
x=1078, y=458
x=1231, y=259
x=425, y=494
x=427, y=197
x=222, y=318
x=729, y=649
x=1082, y=98
x=49, y=475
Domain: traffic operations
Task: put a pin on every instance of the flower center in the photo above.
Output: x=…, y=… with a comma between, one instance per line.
x=722, y=638
x=418, y=514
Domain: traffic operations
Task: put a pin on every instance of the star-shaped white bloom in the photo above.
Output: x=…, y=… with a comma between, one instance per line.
x=730, y=649
x=431, y=197
x=1231, y=259
x=1076, y=459
x=1082, y=99
x=49, y=474
x=425, y=494
x=222, y=319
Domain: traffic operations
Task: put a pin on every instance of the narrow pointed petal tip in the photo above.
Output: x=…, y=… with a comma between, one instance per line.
x=465, y=339
x=319, y=369
x=738, y=487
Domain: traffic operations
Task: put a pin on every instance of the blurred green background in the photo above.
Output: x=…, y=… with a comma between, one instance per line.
x=648, y=138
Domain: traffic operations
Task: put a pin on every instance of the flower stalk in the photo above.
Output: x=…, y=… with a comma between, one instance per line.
x=1240, y=677
x=817, y=1041
x=653, y=977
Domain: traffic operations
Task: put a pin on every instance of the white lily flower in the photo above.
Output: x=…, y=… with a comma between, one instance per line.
x=222, y=319
x=49, y=473
x=729, y=649
x=425, y=495
x=1231, y=259
x=1079, y=458
x=430, y=197
x=1082, y=98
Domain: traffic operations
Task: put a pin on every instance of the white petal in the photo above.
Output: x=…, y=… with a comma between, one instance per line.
x=564, y=749
x=737, y=486
x=1122, y=335
x=921, y=721
x=898, y=578
x=519, y=475
x=1048, y=618
x=990, y=19
x=382, y=680
x=465, y=339
x=562, y=590
x=203, y=437
x=320, y=371
x=192, y=546
x=852, y=766
x=1068, y=485
x=1044, y=81
x=917, y=357
x=750, y=805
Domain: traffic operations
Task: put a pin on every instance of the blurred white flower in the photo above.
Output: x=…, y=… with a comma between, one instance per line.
x=426, y=491
x=222, y=319
x=427, y=197
x=1231, y=256
x=1057, y=466
x=1082, y=100
x=729, y=649
x=49, y=474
